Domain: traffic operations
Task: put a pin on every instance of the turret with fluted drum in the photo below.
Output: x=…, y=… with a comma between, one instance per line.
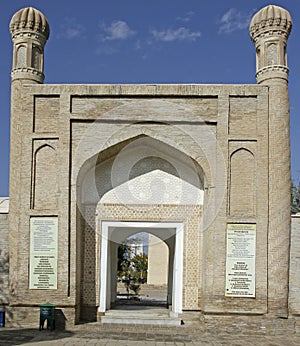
x=29, y=30
x=269, y=31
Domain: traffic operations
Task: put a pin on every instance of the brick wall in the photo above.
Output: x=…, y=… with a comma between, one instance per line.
x=4, y=259
x=294, y=284
x=198, y=124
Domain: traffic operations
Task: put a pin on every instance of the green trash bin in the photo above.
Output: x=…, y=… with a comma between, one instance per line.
x=47, y=313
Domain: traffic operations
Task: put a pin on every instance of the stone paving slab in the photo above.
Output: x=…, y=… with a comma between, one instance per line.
x=14, y=336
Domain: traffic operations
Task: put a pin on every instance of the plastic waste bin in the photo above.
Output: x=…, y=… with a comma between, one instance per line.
x=2, y=317
x=47, y=313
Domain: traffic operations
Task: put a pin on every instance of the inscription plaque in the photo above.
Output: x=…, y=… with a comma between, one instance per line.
x=43, y=252
x=240, y=260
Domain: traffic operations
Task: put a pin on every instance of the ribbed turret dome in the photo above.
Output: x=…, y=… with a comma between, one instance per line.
x=29, y=19
x=269, y=18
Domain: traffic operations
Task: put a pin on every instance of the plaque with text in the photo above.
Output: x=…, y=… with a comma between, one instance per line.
x=240, y=260
x=43, y=252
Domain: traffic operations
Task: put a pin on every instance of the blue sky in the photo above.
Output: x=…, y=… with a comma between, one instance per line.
x=143, y=41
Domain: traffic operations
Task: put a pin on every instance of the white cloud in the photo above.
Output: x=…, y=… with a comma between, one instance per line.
x=180, y=34
x=117, y=30
x=71, y=29
x=233, y=20
x=186, y=17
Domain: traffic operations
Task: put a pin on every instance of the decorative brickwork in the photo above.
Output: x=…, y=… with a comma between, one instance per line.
x=190, y=215
x=202, y=155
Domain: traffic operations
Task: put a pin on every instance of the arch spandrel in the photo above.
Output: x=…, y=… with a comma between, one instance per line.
x=166, y=120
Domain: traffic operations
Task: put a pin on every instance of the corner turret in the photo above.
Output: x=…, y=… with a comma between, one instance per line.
x=29, y=30
x=269, y=31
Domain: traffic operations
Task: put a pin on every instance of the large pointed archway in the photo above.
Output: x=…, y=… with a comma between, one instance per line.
x=143, y=182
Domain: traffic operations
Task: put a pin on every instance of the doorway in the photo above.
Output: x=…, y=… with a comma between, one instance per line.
x=143, y=271
x=113, y=234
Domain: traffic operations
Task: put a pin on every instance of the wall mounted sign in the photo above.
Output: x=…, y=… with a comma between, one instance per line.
x=43, y=252
x=240, y=260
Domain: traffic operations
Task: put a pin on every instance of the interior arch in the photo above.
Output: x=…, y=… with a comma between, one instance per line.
x=130, y=159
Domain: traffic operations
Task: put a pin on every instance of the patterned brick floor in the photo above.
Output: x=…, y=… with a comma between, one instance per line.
x=113, y=335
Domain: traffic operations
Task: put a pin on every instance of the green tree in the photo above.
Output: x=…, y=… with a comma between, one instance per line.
x=132, y=270
x=140, y=263
x=295, y=198
x=124, y=265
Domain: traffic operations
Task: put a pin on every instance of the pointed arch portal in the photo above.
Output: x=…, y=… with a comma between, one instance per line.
x=143, y=185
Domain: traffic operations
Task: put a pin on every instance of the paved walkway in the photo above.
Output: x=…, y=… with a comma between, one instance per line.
x=194, y=330
x=82, y=336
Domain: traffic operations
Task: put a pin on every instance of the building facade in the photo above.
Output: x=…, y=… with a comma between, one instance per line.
x=205, y=168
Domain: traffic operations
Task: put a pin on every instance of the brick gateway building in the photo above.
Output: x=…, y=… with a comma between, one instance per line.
x=206, y=168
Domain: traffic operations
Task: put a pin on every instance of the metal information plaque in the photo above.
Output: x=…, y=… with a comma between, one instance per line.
x=43, y=252
x=240, y=260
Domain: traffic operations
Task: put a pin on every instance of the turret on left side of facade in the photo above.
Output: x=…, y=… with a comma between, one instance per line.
x=29, y=30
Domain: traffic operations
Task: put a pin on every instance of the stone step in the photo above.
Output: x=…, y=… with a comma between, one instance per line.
x=134, y=315
x=142, y=321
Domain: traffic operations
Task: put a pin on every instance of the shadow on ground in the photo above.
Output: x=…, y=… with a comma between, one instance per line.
x=21, y=336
